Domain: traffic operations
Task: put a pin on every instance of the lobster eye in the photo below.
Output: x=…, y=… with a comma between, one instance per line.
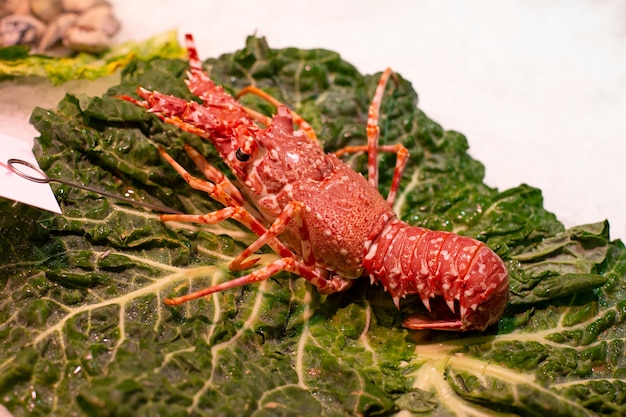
x=241, y=155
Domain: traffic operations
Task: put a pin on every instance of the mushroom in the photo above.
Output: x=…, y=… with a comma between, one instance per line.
x=92, y=30
x=56, y=29
x=79, y=6
x=79, y=25
x=19, y=29
x=8, y=7
x=46, y=10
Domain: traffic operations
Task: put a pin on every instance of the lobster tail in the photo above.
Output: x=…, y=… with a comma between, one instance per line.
x=462, y=282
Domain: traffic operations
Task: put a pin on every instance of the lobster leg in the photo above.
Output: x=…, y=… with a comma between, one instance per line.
x=373, y=137
x=218, y=180
x=373, y=130
x=402, y=157
x=234, y=210
x=239, y=214
x=422, y=322
x=324, y=285
x=292, y=211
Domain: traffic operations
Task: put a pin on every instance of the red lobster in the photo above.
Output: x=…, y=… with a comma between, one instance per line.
x=327, y=223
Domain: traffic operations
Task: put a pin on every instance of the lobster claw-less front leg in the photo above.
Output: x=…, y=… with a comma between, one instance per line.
x=422, y=322
x=325, y=286
x=306, y=268
x=234, y=210
x=293, y=211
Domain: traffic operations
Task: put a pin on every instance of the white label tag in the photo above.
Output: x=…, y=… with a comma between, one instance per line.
x=14, y=187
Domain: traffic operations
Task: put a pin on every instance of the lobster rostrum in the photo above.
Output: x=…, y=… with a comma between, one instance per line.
x=327, y=223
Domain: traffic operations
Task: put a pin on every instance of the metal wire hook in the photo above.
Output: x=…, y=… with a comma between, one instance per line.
x=42, y=178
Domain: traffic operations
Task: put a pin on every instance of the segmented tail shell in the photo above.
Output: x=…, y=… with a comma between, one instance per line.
x=463, y=272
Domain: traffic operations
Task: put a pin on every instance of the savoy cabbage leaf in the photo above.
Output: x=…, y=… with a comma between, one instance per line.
x=83, y=326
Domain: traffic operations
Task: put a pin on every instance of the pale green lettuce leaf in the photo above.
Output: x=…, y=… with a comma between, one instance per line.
x=17, y=62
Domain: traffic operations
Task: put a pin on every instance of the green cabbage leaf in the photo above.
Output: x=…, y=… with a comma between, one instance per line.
x=83, y=326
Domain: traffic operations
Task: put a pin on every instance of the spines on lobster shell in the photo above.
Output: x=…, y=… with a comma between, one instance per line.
x=460, y=280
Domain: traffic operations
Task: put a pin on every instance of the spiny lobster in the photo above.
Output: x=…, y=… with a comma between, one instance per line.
x=327, y=223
